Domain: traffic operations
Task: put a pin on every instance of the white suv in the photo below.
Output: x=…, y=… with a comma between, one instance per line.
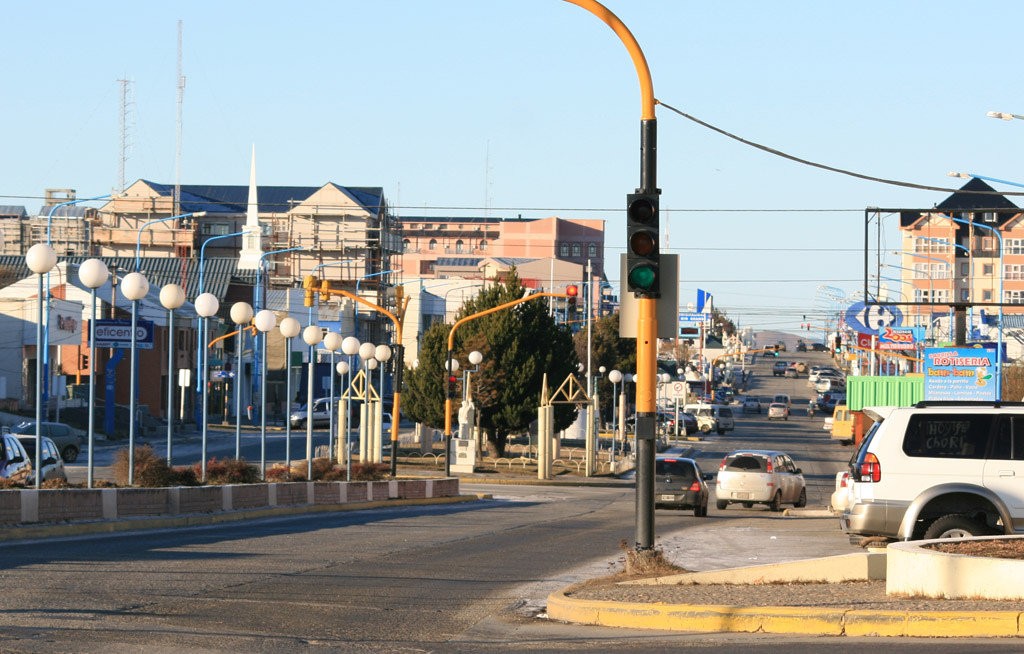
x=938, y=470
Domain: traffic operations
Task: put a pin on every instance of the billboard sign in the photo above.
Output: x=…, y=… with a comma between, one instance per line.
x=960, y=373
x=874, y=318
x=118, y=334
x=896, y=338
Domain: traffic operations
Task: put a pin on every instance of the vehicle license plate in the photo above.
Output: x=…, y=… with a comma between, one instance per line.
x=668, y=498
x=741, y=496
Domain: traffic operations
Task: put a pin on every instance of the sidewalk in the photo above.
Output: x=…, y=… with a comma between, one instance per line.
x=831, y=596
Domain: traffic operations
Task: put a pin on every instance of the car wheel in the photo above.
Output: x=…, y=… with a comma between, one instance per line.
x=721, y=504
x=705, y=429
x=957, y=525
x=776, y=503
x=69, y=454
x=697, y=511
x=801, y=501
x=748, y=505
x=721, y=431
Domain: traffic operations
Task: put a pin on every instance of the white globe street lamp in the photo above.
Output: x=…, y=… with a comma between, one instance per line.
x=93, y=273
x=312, y=335
x=350, y=346
x=332, y=342
x=265, y=321
x=290, y=328
x=207, y=305
x=40, y=259
x=134, y=287
x=241, y=315
x=615, y=377
x=172, y=297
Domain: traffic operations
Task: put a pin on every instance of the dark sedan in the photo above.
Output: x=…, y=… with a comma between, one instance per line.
x=680, y=484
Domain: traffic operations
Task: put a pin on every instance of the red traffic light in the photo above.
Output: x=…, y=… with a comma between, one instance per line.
x=572, y=290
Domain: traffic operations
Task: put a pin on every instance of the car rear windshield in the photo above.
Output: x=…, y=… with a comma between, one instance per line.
x=675, y=468
x=746, y=463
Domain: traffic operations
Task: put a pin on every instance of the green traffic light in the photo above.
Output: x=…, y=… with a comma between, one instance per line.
x=643, y=277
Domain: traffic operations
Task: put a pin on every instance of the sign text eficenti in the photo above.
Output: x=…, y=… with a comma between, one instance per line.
x=960, y=373
x=118, y=334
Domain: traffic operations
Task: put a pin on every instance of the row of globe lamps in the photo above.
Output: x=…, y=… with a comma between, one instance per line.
x=93, y=273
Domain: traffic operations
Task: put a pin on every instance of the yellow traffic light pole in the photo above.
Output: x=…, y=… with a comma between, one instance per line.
x=325, y=292
x=448, y=365
x=647, y=321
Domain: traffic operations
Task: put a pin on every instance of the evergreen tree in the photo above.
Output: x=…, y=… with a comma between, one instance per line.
x=519, y=345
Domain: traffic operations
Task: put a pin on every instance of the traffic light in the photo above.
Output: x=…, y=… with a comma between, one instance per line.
x=452, y=380
x=309, y=283
x=573, y=292
x=325, y=290
x=83, y=362
x=642, y=254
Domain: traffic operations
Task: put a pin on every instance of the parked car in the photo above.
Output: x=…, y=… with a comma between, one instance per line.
x=760, y=477
x=52, y=463
x=938, y=470
x=68, y=441
x=840, y=498
x=818, y=347
x=751, y=405
x=778, y=411
x=687, y=424
x=680, y=484
x=15, y=463
x=779, y=368
x=792, y=372
x=801, y=347
x=321, y=413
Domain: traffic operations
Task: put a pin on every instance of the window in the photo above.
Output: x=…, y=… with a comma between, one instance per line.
x=937, y=295
x=216, y=229
x=405, y=245
x=965, y=295
x=1013, y=297
x=1013, y=271
x=576, y=250
x=1014, y=245
x=592, y=250
x=929, y=244
x=987, y=269
x=931, y=271
x=988, y=243
x=1009, y=438
x=986, y=296
x=965, y=269
x=458, y=246
x=563, y=250
x=947, y=436
x=433, y=244
x=483, y=245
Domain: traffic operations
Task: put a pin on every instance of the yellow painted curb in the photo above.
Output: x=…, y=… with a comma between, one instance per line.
x=784, y=620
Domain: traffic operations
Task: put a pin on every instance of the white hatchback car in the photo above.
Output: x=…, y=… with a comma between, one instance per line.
x=753, y=477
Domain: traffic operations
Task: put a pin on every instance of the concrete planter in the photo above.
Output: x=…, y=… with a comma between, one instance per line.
x=69, y=505
x=917, y=571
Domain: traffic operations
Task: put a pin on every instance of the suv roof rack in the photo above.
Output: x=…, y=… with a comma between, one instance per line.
x=967, y=403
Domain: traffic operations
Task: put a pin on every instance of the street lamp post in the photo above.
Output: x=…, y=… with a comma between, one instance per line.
x=265, y=321
x=93, y=273
x=342, y=369
x=206, y=305
x=382, y=353
x=241, y=315
x=172, y=297
x=615, y=376
x=350, y=347
x=366, y=354
x=332, y=341
x=290, y=328
x=40, y=259
x=134, y=287
x=451, y=367
x=312, y=337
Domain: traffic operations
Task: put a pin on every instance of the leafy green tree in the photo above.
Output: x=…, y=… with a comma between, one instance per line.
x=519, y=345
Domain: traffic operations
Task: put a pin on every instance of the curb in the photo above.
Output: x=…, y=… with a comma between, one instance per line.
x=785, y=620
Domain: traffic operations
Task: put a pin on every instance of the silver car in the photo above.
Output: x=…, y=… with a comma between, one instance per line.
x=52, y=463
x=751, y=477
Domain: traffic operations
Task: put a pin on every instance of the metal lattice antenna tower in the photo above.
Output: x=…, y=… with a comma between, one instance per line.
x=125, y=125
x=177, y=155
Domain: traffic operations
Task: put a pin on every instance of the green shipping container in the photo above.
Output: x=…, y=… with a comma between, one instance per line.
x=884, y=391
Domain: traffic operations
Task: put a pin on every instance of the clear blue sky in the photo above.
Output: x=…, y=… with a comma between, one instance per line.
x=531, y=107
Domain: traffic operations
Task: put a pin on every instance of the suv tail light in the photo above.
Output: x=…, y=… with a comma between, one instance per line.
x=721, y=466
x=870, y=468
x=770, y=468
x=695, y=486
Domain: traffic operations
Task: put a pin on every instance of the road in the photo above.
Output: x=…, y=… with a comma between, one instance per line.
x=462, y=578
